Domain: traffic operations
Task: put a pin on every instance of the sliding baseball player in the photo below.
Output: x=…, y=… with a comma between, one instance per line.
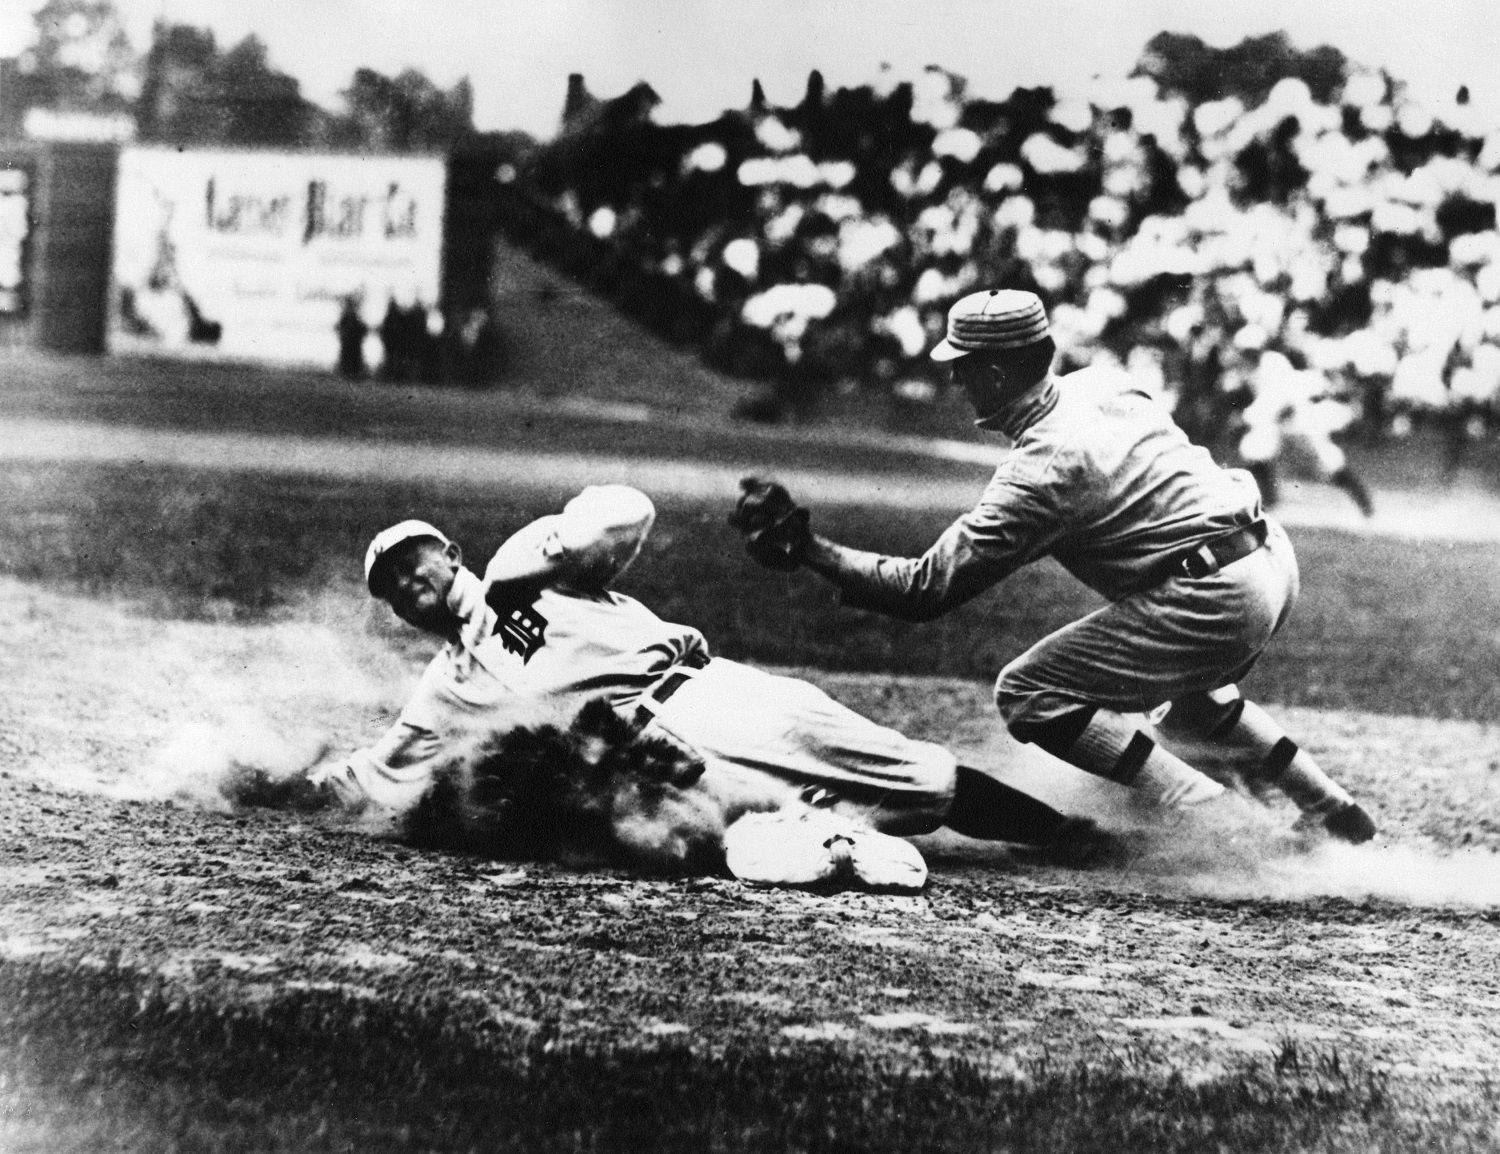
x=540, y=635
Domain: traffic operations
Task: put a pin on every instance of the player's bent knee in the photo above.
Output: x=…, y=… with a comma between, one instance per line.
x=1056, y=733
x=1210, y=715
x=1039, y=716
x=1015, y=693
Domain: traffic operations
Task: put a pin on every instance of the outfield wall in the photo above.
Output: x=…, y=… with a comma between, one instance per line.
x=56, y=214
x=254, y=255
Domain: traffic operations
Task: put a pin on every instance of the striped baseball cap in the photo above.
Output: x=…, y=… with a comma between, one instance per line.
x=992, y=319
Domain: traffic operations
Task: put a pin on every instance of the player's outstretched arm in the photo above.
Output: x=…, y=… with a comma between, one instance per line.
x=391, y=774
x=979, y=549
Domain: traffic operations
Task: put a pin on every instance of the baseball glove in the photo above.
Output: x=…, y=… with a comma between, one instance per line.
x=775, y=526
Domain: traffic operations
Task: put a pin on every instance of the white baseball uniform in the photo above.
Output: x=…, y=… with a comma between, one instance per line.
x=565, y=638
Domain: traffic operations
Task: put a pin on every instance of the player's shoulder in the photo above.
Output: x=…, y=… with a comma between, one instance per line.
x=1104, y=387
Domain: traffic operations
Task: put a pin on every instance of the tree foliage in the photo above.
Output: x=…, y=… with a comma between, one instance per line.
x=1248, y=70
x=81, y=60
x=404, y=113
x=195, y=94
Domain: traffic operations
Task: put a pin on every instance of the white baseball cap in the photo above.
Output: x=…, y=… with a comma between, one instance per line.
x=388, y=539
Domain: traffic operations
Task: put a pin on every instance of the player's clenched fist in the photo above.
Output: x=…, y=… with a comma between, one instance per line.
x=775, y=526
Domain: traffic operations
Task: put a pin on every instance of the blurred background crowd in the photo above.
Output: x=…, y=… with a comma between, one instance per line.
x=1185, y=221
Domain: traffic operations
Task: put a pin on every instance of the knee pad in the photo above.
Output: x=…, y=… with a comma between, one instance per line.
x=1210, y=715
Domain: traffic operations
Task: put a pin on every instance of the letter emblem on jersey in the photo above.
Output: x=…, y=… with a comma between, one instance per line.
x=522, y=631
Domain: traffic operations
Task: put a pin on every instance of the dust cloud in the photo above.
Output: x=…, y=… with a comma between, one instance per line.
x=217, y=764
x=1260, y=858
x=105, y=699
x=102, y=699
x=267, y=710
x=1239, y=847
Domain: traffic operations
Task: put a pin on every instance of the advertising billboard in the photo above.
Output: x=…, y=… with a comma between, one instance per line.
x=249, y=255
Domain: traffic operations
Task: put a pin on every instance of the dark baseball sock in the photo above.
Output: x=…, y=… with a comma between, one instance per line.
x=991, y=810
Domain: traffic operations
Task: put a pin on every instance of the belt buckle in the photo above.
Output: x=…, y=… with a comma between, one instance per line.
x=1201, y=562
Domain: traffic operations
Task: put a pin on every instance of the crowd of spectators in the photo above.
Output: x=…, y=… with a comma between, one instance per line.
x=1342, y=224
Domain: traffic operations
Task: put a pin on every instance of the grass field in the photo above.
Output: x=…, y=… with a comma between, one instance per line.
x=180, y=977
x=1386, y=626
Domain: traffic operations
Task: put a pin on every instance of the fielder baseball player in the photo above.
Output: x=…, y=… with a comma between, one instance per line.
x=1294, y=414
x=541, y=634
x=1101, y=479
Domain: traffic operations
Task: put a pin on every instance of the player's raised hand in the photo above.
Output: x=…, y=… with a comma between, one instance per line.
x=775, y=527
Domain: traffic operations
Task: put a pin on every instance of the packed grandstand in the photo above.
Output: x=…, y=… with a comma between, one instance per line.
x=1316, y=211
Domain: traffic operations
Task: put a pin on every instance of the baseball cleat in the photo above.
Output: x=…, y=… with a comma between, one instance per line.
x=1350, y=823
x=878, y=861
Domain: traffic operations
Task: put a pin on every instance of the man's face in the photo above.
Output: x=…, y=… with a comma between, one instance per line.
x=418, y=575
x=982, y=382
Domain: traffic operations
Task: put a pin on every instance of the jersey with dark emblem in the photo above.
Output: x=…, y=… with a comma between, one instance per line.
x=521, y=628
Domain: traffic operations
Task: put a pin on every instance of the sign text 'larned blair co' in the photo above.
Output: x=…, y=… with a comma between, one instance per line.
x=330, y=212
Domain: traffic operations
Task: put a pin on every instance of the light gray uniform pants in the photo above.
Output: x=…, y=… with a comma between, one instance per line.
x=1183, y=637
x=756, y=730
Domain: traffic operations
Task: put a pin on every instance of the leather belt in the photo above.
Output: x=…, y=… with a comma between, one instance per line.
x=669, y=683
x=1208, y=558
